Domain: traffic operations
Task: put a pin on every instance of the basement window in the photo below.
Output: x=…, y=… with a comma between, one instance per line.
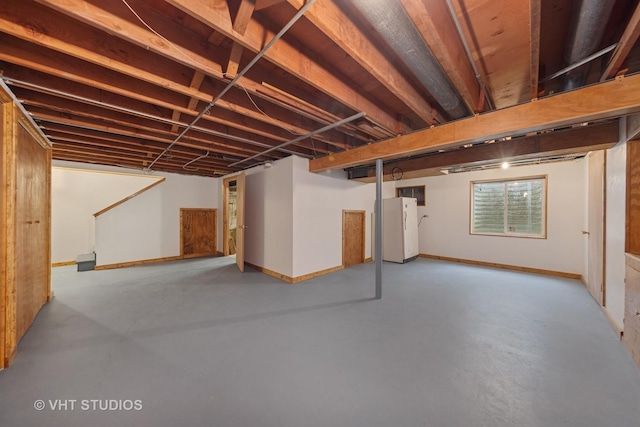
x=515, y=208
x=414, y=192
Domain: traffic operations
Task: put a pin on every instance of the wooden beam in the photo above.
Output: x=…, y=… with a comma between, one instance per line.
x=626, y=43
x=196, y=81
x=46, y=107
x=90, y=46
x=110, y=17
x=572, y=141
x=88, y=148
x=327, y=16
x=535, y=46
x=34, y=57
x=244, y=15
x=234, y=61
x=263, y=4
x=226, y=119
x=605, y=100
x=289, y=58
x=436, y=25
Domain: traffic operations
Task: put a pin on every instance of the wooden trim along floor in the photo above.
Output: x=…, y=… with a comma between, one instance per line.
x=298, y=279
x=62, y=264
x=147, y=261
x=505, y=266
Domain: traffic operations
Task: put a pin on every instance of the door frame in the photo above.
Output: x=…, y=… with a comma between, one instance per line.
x=225, y=213
x=363, y=220
x=240, y=178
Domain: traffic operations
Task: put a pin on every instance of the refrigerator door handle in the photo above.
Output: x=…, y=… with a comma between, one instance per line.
x=405, y=220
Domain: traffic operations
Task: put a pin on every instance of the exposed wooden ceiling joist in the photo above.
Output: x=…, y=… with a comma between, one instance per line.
x=626, y=43
x=144, y=69
x=438, y=29
x=290, y=59
x=328, y=17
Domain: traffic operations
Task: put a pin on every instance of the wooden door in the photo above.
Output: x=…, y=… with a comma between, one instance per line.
x=198, y=236
x=32, y=251
x=596, y=205
x=353, y=229
x=241, y=226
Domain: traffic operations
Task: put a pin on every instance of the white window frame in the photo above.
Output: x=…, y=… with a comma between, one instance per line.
x=506, y=232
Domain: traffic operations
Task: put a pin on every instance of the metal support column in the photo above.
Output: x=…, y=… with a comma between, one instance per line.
x=378, y=248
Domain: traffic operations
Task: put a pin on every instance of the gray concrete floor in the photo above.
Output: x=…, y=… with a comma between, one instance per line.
x=200, y=344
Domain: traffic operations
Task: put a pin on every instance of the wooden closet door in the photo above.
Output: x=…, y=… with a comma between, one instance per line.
x=32, y=211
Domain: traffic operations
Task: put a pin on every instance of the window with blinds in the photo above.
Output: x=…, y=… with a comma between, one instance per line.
x=509, y=208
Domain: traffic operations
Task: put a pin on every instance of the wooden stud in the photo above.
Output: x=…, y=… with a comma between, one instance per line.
x=626, y=43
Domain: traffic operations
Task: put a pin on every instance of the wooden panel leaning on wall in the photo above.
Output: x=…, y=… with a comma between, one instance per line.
x=25, y=230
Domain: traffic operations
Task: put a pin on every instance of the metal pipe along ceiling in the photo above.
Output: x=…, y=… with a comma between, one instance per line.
x=589, y=21
x=395, y=26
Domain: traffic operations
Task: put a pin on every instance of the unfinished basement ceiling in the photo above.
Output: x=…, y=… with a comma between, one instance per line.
x=119, y=82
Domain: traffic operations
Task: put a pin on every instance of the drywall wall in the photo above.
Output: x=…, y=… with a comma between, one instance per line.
x=446, y=231
x=318, y=202
x=77, y=193
x=615, y=232
x=294, y=217
x=148, y=226
x=269, y=217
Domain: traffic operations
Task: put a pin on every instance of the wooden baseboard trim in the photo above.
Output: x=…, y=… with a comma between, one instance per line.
x=292, y=280
x=62, y=264
x=150, y=261
x=318, y=273
x=505, y=266
x=613, y=322
x=366, y=260
x=269, y=272
x=139, y=262
x=8, y=360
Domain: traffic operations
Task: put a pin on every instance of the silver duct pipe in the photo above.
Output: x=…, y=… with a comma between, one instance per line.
x=393, y=23
x=587, y=28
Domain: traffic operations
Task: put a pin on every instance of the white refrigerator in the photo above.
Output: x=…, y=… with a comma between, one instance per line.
x=400, y=229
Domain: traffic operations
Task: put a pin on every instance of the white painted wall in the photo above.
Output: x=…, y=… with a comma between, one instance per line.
x=318, y=202
x=269, y=216
x=78, y=192
x=148, y=226
x=615, y=231
x=446, y=231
